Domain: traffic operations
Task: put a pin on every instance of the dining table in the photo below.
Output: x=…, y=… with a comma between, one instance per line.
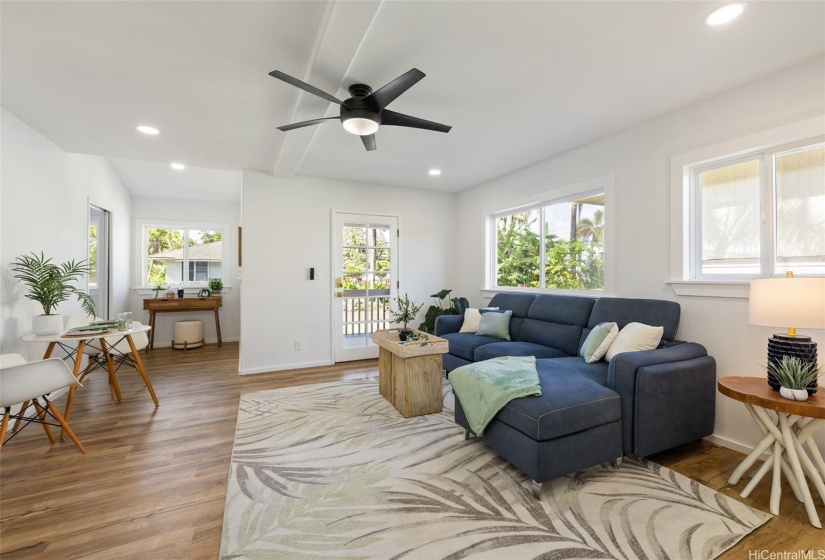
x=104, y=343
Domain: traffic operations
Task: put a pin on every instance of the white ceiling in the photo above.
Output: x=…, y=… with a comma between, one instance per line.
x=518, y=81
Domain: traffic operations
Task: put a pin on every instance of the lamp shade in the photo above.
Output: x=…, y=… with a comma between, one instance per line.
x=787, y=302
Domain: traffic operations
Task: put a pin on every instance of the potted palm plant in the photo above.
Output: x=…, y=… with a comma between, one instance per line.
x=49, y=284
x=795, y=377
x=215, y=285
x=406, y=312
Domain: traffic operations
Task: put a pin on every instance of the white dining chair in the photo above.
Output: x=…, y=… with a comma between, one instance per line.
x=24, y=382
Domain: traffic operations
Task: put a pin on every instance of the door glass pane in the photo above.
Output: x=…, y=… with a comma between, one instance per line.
x=730, y=219
x=800, y=211
x=574, y=244
x=517, y=249
x=164, y=258
x=379, y=236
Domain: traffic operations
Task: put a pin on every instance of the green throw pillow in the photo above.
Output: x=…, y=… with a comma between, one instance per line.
x=598, y=342
x=496, y=324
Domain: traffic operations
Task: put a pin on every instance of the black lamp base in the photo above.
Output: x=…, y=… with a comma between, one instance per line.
x=801, y=347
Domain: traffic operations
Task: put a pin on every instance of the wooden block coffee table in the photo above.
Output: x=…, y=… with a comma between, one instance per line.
x=409, y=375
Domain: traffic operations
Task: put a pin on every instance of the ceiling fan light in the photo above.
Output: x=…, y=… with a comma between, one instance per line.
x=361, y=127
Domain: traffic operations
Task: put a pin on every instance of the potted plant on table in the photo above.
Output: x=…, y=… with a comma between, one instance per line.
x=406, y=312
x=158, y=288
x=795, y=377
x=215, y=286
x=49, y=284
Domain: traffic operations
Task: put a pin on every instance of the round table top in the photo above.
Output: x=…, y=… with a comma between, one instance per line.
x=756, y=391
x=60, y=337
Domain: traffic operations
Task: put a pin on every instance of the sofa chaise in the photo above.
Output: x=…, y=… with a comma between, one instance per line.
x=639, y=403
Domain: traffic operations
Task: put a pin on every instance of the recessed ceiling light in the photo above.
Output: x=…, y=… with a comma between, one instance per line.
x=435, y=172
x=725, y=14
x=178, y=166
x=148, y=130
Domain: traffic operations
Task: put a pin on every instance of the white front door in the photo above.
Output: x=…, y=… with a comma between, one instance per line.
x=364, y=282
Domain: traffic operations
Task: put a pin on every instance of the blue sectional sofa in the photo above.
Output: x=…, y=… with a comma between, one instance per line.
x=640, y=403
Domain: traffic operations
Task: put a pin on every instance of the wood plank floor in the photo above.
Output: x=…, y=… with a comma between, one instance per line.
x=153, y=481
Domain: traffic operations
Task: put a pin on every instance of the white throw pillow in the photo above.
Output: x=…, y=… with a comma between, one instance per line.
x=472, y=317
x=635, y=337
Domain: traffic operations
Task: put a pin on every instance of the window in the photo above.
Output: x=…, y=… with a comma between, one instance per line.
x=554, y=244
x=181, y=255
x=759, y=214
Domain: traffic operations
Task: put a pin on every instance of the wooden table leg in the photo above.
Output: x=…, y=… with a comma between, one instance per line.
x=218, y=326
x=139, y=367
x=26, y=404
x=111, y=368
x=76, y=371
x=151, y=344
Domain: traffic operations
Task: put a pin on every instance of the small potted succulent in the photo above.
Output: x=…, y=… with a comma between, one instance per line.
x=215, y=286
x=158, y=288
x=795, y=377
x=406, y=312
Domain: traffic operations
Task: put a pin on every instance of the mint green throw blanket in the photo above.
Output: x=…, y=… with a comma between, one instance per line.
x=484, y=388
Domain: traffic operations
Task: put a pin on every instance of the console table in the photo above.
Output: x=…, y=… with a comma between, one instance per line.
x=787, y=427
x=178, y=305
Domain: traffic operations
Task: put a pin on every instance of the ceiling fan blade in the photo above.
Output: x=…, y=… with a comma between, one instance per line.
x=304, y=86
x=293, y=126
x=387, y=94
x=391, y=118
x=369, y=142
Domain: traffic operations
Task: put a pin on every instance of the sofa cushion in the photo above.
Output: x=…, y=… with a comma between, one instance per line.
x=495, y=323
x=568, y=404
x=519, y=304
x=556, y=321
x=575, y=365
x=635, y=337
x=622, y=311
x=598, y=341
x=499, y=349
x=464, y=345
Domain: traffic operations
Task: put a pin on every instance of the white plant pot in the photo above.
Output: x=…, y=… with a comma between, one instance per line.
x=794, y=394
x=47, y=324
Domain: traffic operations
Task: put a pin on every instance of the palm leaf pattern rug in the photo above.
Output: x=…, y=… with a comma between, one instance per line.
x=334, y=471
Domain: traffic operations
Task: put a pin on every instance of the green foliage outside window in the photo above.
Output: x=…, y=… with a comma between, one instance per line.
x=575, y=264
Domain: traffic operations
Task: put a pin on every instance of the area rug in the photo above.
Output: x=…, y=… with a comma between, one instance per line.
x=334, y=471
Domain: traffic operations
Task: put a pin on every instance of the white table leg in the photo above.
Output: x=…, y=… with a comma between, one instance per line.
x=793, y=458
x=776, y=487
x=760, y=448
x=757, y=477
x=769, y=422
x=816, y=456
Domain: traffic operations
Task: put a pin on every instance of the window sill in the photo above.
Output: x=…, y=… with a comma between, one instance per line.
x=711, y=288
x=488, y=293
x=188, y=290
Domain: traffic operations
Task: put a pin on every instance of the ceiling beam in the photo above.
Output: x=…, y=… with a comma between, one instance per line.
x=340, y=36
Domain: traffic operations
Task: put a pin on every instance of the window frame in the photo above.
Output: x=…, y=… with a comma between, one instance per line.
x=598, y=185
x=143, y=227
x=802, y=132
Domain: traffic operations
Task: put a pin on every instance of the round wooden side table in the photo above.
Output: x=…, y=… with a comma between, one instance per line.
x=787, y=427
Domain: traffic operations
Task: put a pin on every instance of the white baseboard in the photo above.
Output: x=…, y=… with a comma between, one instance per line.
x=282, y=367
x=730, y=444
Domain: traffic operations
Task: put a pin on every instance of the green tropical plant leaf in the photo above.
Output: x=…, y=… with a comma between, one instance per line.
x=50, y=284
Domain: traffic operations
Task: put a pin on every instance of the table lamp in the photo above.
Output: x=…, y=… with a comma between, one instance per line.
x=792, y=303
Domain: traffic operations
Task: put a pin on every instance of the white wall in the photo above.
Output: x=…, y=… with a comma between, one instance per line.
x=44, y=196
x=189, y=211
x=640, y=159
x=286, y=230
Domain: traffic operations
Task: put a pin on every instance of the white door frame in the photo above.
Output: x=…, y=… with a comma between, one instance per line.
x=339, y=352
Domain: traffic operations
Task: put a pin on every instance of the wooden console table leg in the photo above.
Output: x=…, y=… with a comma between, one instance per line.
x=151, y=344
x=218, y=326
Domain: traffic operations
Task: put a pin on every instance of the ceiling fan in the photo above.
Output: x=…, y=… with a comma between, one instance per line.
x=366, y=110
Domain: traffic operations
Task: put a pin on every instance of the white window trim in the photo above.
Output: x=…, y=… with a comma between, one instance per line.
x=680, y=201
x=140, y=257
x=560, y=194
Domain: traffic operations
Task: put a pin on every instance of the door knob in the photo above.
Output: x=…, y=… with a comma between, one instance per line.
x=339, y=294
x=339, y=282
